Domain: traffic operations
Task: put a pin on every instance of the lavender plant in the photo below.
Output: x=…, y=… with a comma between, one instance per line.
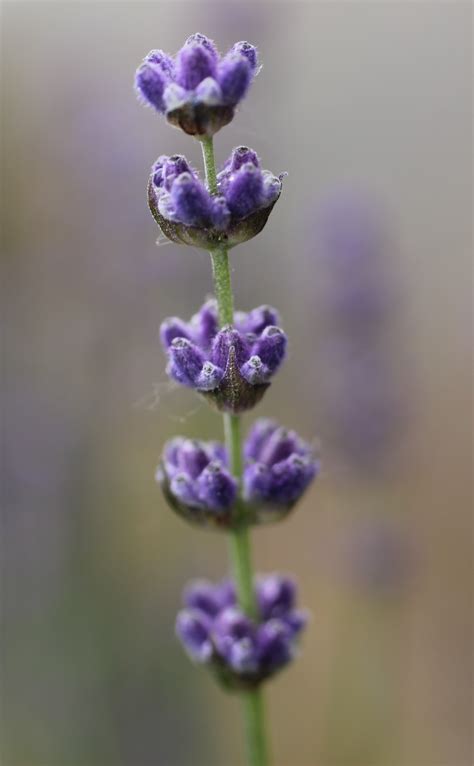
x=247, y=629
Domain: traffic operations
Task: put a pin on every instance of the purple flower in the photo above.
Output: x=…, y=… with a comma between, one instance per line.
x=197, y=90
x=360, y=376
x=243, y=652
x=193, y=630
x=378, y=557
x=188, y=214
x=280, y=466
x=196, y=481
x=231, y=367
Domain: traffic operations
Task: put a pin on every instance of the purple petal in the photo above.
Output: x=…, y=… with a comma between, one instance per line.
x=172, y=328
x=209, y=377
x=198, y=39
x=191, y=200
x=245, y=191
x=259, y=434
x=185, y=361
x=235, y=640
x=271, y=347
x=291, y=478
x=240, y=156
x=202, y=595
x=205, y=323
x=192, y=628
x=194, y=62
x=209, y=92
x=250, y=52
x=150, y=84
x=276, y=595
x=254, y=371
x=216, y=488
x=192, y=457
x=182, y=487
x=256, y=482
x=234, y=76
x=257, y=320
x=275, y=644
x=226, y=339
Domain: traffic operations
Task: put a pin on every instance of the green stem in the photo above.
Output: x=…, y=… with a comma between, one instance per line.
x=209, y=163
x=254, y=725
x=222, y=285
x=239, y=537
x=240, y=549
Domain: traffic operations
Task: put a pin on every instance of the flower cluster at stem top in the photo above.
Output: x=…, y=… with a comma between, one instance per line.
x=197, y=90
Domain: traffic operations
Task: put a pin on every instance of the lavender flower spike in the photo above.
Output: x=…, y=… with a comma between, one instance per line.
x=231, y=367
x=279, y=468
x=241, y=652
x=196, y=481
x=188, y=214
x=197, y=90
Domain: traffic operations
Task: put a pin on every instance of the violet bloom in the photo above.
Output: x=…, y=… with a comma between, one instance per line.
x=188, y=214
x=364, y=407
x=231, y=367
x=215, y=632
x=280, y=466
x=197, y=90
x=378, y=557
x=196, y=481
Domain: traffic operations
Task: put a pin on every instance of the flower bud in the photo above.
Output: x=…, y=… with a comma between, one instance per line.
x=150, y=84
x=197, y=90
x=241, y=652
x=188, y=214
x=279, y=468
x=249, y=51
x=197, y=483
x=192, y=629
x=245, y=190
x=234, y=76
x=231, y=367
x=194, y=63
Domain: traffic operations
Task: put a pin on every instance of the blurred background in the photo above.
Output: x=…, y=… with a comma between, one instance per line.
x=367, y=105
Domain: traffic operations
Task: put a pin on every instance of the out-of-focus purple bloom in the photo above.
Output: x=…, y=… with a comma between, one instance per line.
x=231, y=367
x=214, y=631
x=188, y=214
x=353, y=244
x=197, y=90
x=378, y=557
x=362, y=402
x=280, y=466
x=196, y=481
x=193, y=630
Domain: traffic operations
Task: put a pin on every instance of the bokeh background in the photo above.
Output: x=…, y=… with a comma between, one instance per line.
x=367, y=256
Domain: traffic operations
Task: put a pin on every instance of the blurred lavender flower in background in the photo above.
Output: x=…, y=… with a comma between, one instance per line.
x=378, y=556
x=357, y=304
